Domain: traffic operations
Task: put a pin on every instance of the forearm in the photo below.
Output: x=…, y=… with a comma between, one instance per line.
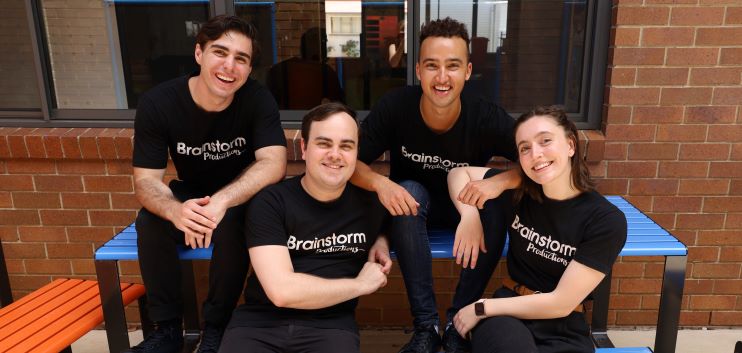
x=529, y=307
x=366, y=178
x=315, y=293
x=259, y=175
x=156, y=197
x=457, y=179
x=509, y=179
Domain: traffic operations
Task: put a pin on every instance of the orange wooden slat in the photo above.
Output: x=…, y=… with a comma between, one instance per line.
x=48, y=324
x=75, y=330
x=64, y=313
x=29, y=297
x=42, y=305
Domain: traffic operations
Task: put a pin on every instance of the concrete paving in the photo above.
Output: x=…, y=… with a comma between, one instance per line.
x=389, y=341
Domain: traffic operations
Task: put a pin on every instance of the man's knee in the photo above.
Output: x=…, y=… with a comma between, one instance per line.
x=151, y=228
x=416, y=190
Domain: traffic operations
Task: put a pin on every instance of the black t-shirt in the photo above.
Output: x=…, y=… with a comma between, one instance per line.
x=545, y=237
x=209, y=149
x=482, y=131
x=324, y=239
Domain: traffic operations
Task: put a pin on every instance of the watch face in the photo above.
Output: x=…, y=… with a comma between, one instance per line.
x=479, y=308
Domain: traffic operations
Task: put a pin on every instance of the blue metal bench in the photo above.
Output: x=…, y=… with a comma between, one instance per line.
x=645, y=238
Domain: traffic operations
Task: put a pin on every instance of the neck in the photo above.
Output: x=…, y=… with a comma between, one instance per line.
x=318, y=193
x=205, y=100
x=440, y=119
x=560, y=192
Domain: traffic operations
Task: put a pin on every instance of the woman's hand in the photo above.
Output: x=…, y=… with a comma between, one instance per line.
x=465, y=320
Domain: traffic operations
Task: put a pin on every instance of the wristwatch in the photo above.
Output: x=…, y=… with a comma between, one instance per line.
x=479, y=308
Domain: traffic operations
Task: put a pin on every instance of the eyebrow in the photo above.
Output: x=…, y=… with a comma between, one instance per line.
x=537, y=135
x=239, y=53
x=327, y=139
x=456, y=60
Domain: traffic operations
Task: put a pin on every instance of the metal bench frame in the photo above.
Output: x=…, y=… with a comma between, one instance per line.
x=645, y=238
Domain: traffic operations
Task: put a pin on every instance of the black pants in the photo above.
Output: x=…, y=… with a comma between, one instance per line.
x=160, y=266
x=473, y=282
x=501, y=334
x=289, y=339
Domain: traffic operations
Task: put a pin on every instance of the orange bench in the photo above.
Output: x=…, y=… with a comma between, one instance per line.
x=52, y=317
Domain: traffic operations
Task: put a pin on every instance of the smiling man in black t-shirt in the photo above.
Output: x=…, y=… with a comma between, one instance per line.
x=429, y=130
x=223, y=134
x=315, y=247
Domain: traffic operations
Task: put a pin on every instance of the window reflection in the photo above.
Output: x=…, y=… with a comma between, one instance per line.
x=327, y=51
x=523, y=52
x=18, y=84
x=157, y=41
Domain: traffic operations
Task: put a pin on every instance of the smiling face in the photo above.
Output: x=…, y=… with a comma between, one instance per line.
x=225, y=64
x=443, y=69
x=330, y=153
x=545, y=153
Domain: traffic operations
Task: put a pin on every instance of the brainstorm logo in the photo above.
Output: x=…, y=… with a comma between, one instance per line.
x=213, y=150
x=329, y=244
x=432, y=162
x=549, y=248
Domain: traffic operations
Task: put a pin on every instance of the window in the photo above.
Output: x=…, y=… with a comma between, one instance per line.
x=95, y=58
x=345, y=24
x=528, y=53
x=19, y=91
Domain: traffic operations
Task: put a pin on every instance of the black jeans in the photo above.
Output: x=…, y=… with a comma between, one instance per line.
x=289, y=339
x=160, y=266
x=409, y=239
x=506, y=334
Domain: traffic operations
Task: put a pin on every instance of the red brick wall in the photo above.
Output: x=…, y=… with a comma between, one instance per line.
x=673, y=146
x=673, y=130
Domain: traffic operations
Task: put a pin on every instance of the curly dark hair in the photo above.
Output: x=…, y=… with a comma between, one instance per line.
x=218, y=25
x=446, y=28
x=580, y=173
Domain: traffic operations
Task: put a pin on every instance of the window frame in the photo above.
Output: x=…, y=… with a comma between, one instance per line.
x=589, y=116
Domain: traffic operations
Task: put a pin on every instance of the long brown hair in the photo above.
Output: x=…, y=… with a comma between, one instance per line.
x=580, y=173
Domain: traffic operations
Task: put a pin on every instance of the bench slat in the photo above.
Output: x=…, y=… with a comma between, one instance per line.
x=52, y=317
x=624, y=350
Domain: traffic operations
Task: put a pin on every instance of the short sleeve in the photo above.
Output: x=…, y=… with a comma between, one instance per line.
x=605, y=236
x=376, y=131
x=150, y=137
x=266, y=127
x=264, y=223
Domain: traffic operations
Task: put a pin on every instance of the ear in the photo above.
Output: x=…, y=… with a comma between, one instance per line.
x=468, y=70
x=198, y=54
x=571, y=151
x=303, y=146
x=417, y=71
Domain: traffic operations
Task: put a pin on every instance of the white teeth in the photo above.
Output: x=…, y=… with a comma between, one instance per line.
x=225, y=78
x=542, y=165
x=333, y=166
x=442, y=88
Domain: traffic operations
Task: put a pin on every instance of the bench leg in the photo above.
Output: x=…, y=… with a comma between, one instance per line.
x=599, y=322
x=671, y=298
x=113, y=305
x=6, y=296
x=190, y=305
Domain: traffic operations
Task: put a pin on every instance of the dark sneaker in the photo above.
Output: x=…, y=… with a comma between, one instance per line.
x=453, y=342
x=424, y=340
x=166, y=338
x=211, y=339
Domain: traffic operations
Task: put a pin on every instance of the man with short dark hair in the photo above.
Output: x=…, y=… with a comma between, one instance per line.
x=429, y=130
x=223, y=134
x=315, y=247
